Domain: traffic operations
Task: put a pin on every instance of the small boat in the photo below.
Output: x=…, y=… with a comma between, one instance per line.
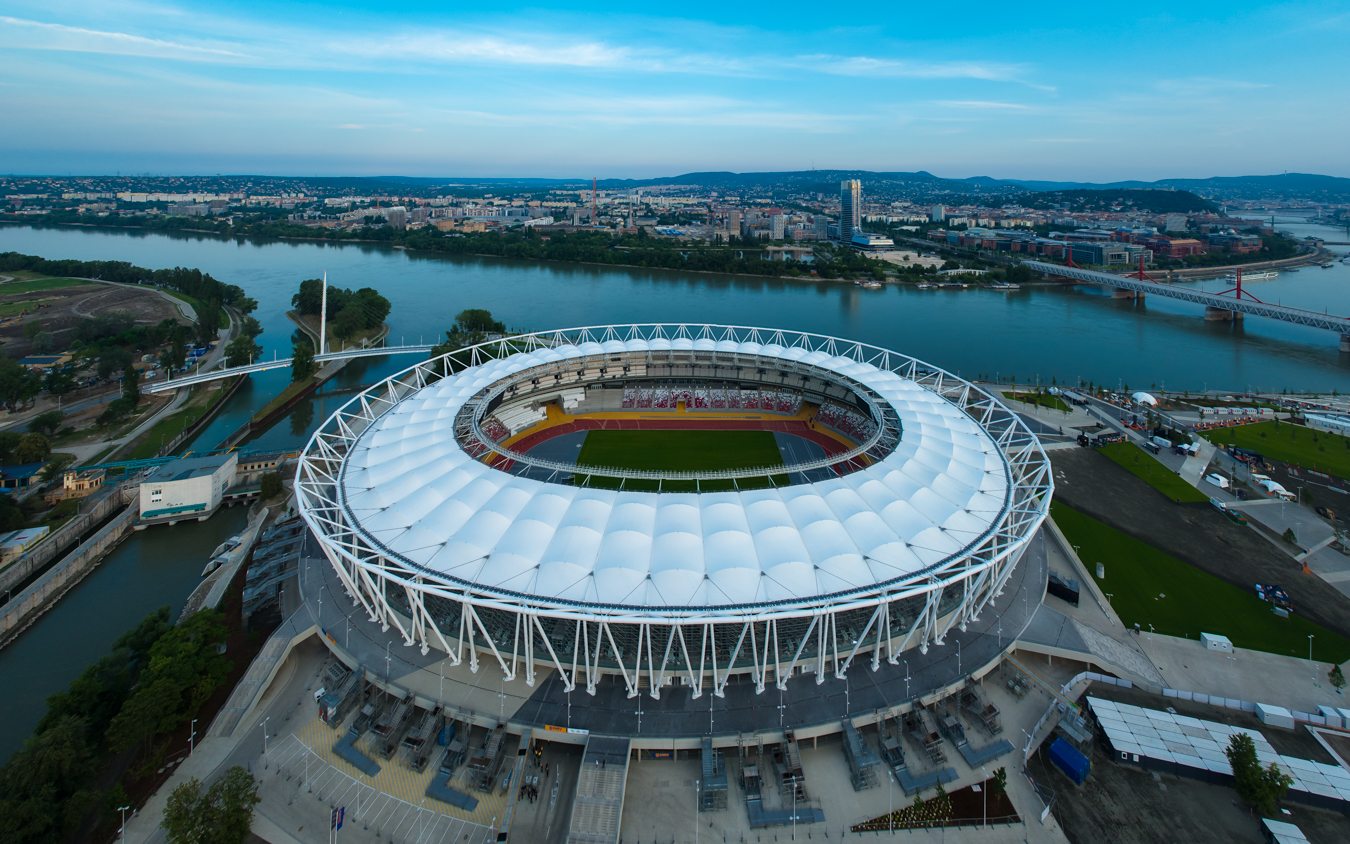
x=869, y=284
x=1260, y=275
x=926, y=285
x=1005, y=285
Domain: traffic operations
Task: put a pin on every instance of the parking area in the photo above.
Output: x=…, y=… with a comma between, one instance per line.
x=300, y=789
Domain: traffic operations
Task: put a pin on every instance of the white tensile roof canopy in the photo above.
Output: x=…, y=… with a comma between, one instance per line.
x=412, y=490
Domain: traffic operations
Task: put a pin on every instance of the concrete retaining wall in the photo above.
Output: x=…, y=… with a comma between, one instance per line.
x=65, y=536
x=32, y=602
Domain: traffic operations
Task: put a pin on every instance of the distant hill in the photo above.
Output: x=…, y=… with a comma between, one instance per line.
x=1283, y=186
x=1120, y=199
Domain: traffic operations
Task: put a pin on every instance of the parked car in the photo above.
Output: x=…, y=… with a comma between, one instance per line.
x=1326, y=513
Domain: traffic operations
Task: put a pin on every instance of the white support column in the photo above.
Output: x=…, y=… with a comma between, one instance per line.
x=323, y=316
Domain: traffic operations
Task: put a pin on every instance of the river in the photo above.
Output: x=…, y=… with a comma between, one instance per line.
x=1044, y=333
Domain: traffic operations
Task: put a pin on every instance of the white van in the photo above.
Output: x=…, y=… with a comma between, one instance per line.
x=1218, y=480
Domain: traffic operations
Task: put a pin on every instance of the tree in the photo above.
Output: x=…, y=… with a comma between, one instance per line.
x=32, y=448
x=17, y=385
x=478, y=320
x=303, y=366
x=1336, y=677
x=1260, y=788
x=47, y=422
x=58, y=381
x=131, y=385
x=242, y=350
x=222, y=814
x=270, y=486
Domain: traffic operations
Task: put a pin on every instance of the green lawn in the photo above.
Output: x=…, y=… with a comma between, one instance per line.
x=1040, y=400
x=679, y=451
x=1291, y=444
x=1141, y=464
x=15, y=288
x=162, y=432
x=1149, y=586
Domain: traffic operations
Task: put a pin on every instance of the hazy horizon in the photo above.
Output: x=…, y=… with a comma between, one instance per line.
x=1060, y=92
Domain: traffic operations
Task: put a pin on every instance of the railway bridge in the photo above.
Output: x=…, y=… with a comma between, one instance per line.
x=1230, y=305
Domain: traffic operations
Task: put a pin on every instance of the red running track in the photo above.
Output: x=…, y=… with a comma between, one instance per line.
x=796, y=427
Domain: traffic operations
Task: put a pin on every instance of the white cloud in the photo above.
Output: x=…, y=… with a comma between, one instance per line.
x=984, y=105
x=1200, y=86
x=870, y=66
x=28, y=34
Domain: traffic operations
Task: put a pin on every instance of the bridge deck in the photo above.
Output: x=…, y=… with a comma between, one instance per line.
x=279, y=363
x=1312, y=319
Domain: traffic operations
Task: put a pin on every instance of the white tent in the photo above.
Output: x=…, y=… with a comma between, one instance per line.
x=1144, y=398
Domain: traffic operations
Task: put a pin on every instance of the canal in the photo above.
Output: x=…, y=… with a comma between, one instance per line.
x=1045, y=333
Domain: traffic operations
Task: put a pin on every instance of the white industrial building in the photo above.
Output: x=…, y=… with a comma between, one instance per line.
x=190, y=488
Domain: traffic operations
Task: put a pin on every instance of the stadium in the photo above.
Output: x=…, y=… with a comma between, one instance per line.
x=701, y=508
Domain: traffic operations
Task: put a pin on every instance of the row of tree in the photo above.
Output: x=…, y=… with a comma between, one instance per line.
x=114, y=719
x=639, y=250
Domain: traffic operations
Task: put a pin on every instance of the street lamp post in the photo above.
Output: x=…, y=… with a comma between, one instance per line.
x=1310, y=659
x=697, y=785
x=264, y=731
x=890, y=799
x=192, y=737
x=122, y=832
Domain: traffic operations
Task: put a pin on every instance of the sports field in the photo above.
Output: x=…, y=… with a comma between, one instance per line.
x=1153, y=588
x=680, y=450
x=1289, y=443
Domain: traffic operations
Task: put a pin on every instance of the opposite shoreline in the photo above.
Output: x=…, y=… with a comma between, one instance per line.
x=1312, y=258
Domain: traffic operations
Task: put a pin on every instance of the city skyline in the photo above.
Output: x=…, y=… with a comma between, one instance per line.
x=288, y=88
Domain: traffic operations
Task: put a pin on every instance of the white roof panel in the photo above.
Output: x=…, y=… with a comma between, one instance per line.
x=411, y=488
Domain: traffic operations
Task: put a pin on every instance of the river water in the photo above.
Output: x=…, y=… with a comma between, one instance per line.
x=1041, y=333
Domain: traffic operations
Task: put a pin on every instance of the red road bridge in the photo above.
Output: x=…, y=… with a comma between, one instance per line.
x=1231, y=304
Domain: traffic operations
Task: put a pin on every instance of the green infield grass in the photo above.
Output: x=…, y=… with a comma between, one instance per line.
x=1142, y=465
x=1289, y=443
x=679, y=451
x=1150, y=587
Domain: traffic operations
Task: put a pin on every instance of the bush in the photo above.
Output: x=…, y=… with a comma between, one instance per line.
x=270, y=486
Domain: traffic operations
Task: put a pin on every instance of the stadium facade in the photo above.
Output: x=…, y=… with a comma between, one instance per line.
x=452, y=534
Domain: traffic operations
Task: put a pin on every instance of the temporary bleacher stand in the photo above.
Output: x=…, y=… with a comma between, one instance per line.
x=862, y=762
x=712, y=785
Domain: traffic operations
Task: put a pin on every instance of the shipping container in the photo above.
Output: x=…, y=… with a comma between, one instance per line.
x=1068, y=759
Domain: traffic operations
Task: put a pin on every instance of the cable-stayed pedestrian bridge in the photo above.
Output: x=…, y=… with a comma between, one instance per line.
x=279, y=363
x=1217, y=306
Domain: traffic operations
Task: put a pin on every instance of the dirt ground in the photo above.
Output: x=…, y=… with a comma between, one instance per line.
x=1196, y=533
x=61, y=309
x=1122, y=803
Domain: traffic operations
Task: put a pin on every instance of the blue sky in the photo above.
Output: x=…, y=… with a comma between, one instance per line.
x=1076, y=91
